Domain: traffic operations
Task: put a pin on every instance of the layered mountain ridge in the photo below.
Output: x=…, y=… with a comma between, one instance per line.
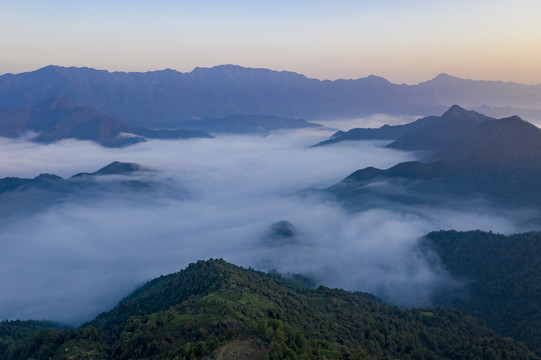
x=167, y=97
x=57, y=118
x=467, y=154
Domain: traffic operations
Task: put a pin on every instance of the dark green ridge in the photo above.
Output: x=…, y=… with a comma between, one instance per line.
x=502, y=276
x=213, y=308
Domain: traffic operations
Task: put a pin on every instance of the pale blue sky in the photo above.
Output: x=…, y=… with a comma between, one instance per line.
x=404, y=41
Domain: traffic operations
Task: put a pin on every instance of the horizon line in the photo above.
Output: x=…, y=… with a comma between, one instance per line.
x=443, y=74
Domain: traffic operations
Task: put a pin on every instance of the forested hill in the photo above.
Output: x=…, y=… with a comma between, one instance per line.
x=216, y=309
x=502, y=276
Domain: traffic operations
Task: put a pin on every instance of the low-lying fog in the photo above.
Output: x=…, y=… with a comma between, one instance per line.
x=72, y=260
x=371, y=121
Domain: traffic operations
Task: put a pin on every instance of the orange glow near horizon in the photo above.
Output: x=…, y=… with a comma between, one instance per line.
x=404, y=42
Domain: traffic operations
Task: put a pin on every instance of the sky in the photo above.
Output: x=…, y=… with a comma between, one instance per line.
x=403, y=41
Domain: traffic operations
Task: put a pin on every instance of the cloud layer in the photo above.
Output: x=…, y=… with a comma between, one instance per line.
x=215, y=198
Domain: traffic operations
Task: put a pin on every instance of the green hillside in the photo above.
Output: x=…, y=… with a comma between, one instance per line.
x=217, y=310
x=502, y=276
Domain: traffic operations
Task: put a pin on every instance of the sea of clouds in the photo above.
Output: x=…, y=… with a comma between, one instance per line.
x=72, y=259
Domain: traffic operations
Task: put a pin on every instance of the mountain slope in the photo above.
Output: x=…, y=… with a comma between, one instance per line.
x=114, y=168
x=502, y=279
x=41, y=181
x=165, y=98
x=213, y=308
x=443, y=131
x=386, y=132
x=57, y=119
x=471, y=156
x=505, y=140
x=428, y=133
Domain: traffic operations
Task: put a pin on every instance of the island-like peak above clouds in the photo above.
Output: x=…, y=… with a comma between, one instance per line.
x=460, y=134
x=166, y=98
x=441, y=131
x=468, y=155
x=509, y=140
x=423, y=134
x=115, y=168
x=55, y=182
x=426, y=133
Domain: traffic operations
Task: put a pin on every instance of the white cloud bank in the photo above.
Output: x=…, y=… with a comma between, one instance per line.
x=72, y=260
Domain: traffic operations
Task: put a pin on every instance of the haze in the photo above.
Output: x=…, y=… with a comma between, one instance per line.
x=408, y=42
x=74, y=258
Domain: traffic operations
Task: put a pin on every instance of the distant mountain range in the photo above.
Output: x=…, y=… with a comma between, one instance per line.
x=467, y=154
x=216, y=310
x=57, y=119
x=166, y=98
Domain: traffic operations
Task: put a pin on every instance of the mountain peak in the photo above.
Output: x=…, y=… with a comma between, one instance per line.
x=441, y=80
x=47, y=177
x=444, y=76
x=49, y=68
x=114, y=168
x=227, y=68
x=117, y=167
x=515, y=119
x=457, y=111
x=374, y=79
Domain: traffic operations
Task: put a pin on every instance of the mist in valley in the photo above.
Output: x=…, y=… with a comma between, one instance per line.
x=370, y=121
x=68, y=256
